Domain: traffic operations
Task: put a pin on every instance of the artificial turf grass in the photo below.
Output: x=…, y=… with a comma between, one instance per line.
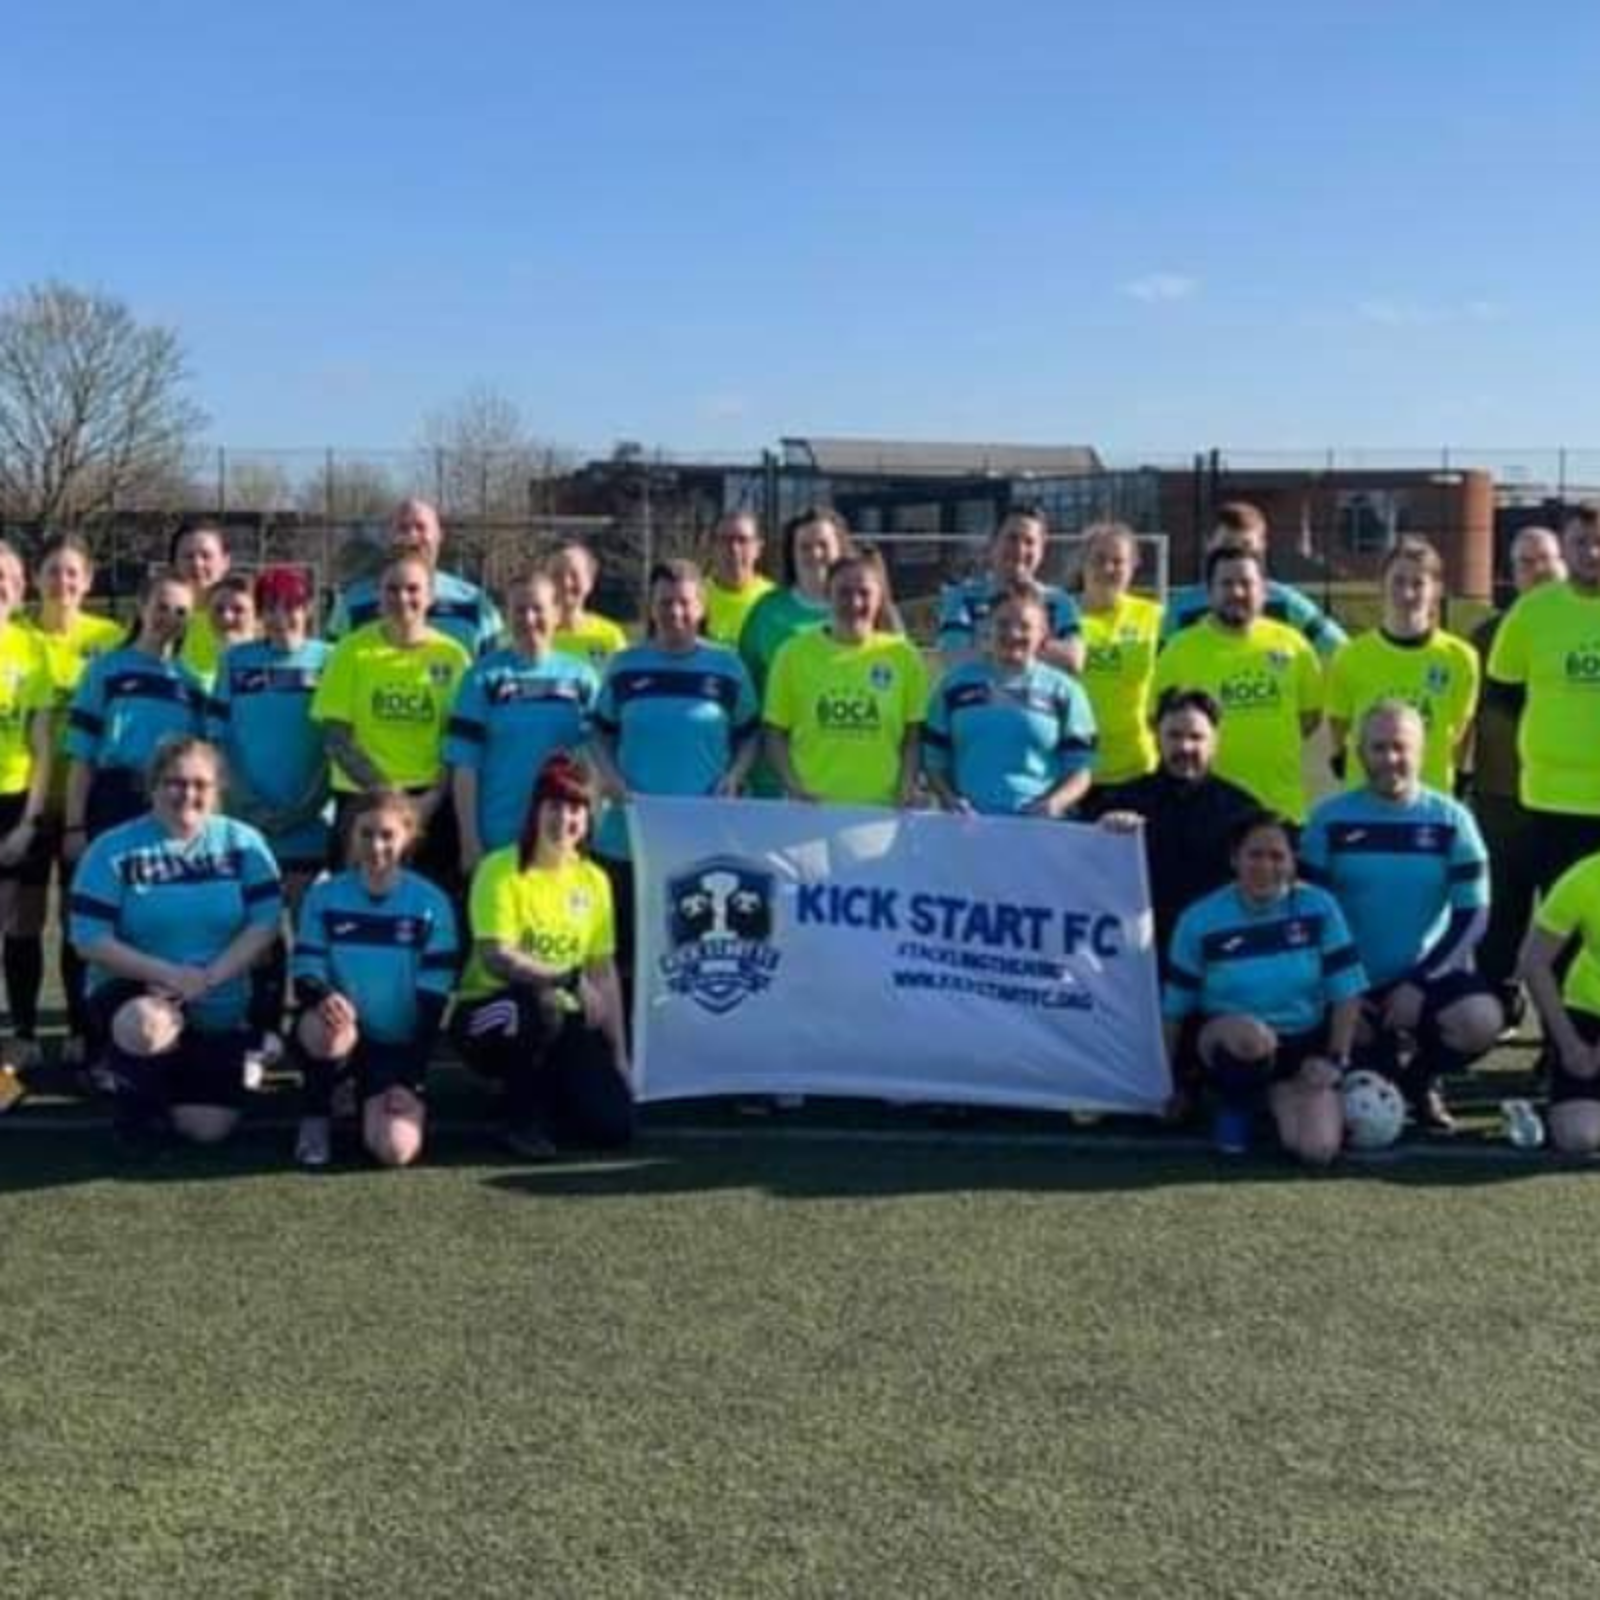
x=808, y=1370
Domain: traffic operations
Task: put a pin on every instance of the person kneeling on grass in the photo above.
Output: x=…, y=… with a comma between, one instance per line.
x=1569, y=1008
x=540, y=1007
x=1268, y=968
x=375, y=956
x=171, y=911
x=1408, y=867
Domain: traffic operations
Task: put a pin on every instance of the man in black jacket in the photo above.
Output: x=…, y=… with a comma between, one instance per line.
x=1183, y=810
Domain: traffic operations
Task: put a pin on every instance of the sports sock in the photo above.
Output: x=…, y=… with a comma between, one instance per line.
x=1237, y=1080
x=317, y=1081
x=23, y=959
x=140, y=1097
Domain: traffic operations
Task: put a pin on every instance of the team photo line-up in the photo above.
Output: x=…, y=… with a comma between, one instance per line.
x=340, y=841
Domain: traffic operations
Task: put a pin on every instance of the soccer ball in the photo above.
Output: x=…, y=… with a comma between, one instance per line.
x=1374, y=1111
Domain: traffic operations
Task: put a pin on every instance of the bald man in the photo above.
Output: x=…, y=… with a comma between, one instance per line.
x=459, y=609
x=1535, y=559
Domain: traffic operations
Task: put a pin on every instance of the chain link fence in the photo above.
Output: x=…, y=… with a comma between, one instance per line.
x=1333, y=510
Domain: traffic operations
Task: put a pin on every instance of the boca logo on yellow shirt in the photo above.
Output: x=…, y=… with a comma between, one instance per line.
x=1583, y=663
x=1251, y=691
x=838, y=710
x=403, y=705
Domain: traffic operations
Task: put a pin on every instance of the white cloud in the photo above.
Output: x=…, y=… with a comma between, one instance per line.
x=1390, y=313
x=1157, y=288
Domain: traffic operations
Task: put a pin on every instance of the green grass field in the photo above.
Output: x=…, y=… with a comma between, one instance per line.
x=844, y=1353
x=763, y=1366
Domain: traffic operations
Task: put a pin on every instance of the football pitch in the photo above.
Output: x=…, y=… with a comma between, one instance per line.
x=847, y=1352
x=796, y=1359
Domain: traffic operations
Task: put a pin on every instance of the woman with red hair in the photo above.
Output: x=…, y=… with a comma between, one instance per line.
x=539, y=1007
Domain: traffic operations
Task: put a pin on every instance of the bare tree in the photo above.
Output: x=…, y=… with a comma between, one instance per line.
x=350, y=489
x=258, y=484
x=486, y=461
x=93, y=409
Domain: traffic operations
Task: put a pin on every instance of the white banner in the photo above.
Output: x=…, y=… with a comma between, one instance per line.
x=901, y=955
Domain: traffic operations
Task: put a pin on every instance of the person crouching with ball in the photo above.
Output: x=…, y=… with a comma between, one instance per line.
x=1267, y=968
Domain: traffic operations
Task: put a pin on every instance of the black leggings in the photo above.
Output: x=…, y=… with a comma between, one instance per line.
x=558, y=1072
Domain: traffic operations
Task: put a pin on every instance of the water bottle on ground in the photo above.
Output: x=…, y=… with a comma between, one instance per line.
x=1523, y=1127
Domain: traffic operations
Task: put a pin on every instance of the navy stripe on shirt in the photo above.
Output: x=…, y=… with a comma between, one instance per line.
x=1262, y=939
x=272, y=680
x=1392, y=838
x=465, y=728
x=82, y=905
x=1340, y=960
x=361, y=612
x=152, y=686
x=509, y=689
x=86, y=720
x=962, y=696
x=668, y=683
x=402, y=931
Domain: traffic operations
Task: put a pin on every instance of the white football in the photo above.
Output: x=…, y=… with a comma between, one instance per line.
x=1374, y=1111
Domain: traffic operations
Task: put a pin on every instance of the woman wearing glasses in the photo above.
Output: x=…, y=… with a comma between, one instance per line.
x=170, y=912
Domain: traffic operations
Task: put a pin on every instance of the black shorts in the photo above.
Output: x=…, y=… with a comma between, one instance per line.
x=1294, y=1050
x=375, y=1066
x=34, y=867
x=1559, y=840
x=203, y=1069
x=1561, y=1084
x=116, y=795
x=1438, y=994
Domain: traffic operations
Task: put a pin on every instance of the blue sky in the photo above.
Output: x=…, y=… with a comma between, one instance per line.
x=1152, y=227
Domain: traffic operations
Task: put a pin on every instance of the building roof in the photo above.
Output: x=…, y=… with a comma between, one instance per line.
x=919, y=458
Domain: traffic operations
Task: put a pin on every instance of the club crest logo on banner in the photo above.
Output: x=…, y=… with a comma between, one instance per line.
x=719, y=932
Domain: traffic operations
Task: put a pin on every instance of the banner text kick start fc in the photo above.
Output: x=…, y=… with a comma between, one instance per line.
x=796, y=949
